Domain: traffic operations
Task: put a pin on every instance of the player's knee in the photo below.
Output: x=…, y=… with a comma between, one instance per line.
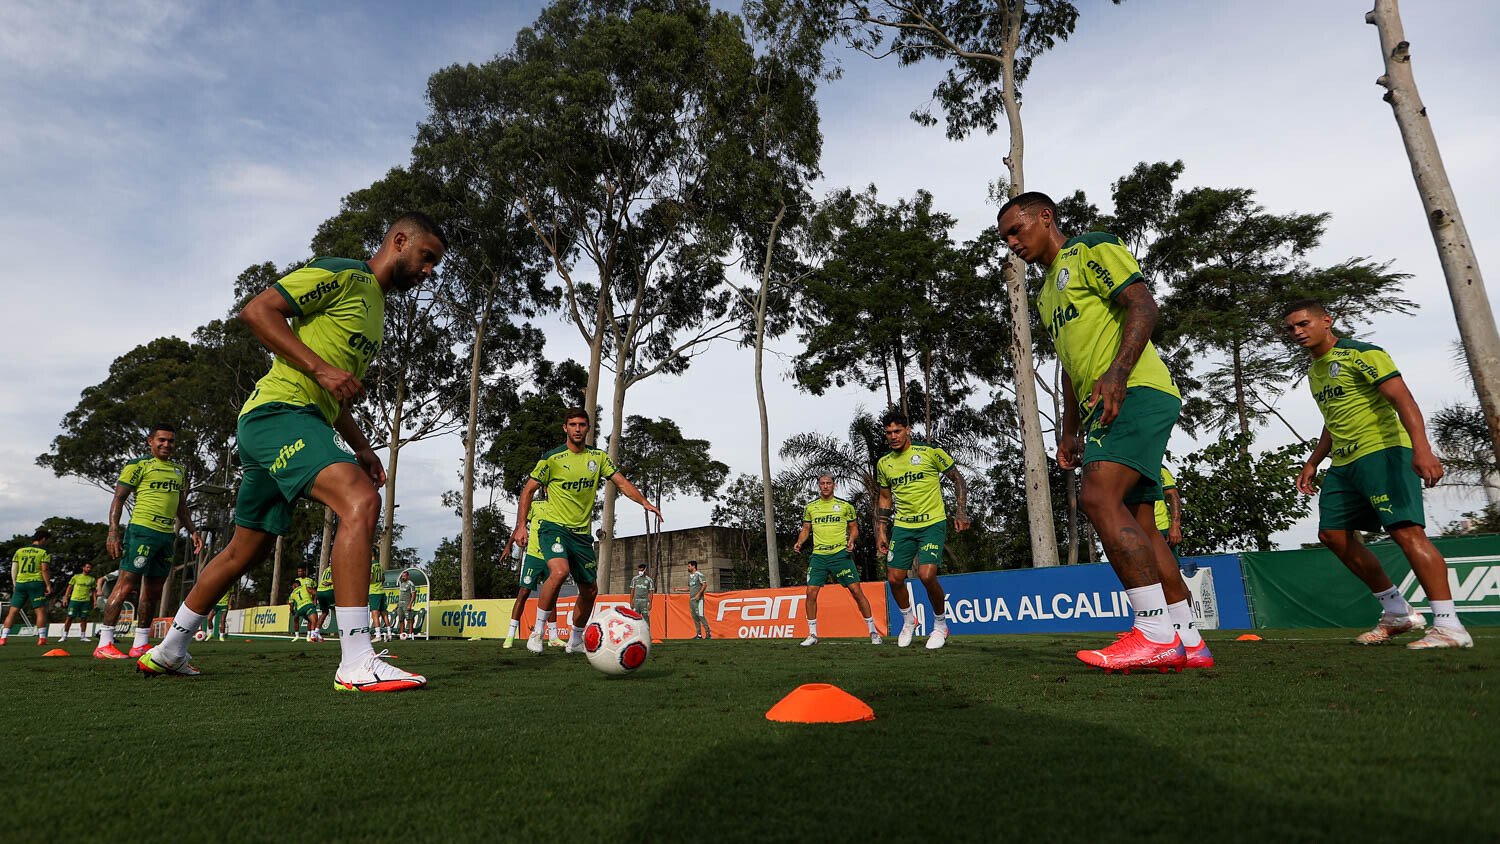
x=1093, y=502
x=1333, y=539
x=362, y=510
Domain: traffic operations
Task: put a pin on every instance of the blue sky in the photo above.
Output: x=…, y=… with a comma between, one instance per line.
x=153, y=150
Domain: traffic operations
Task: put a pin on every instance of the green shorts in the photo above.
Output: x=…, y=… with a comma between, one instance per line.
x=1137, y=438
x=377, y=602
x=576, y=548
x=147, y=552
x=533, y=572
x=304, y=611
x=923, y=544
x=29, y=593
x=1379, y=490
x=837, y=567
x=325, y=600
x=80, y=609
x=282, y=449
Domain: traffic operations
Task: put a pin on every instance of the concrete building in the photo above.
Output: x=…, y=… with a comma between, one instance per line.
x=716, y=549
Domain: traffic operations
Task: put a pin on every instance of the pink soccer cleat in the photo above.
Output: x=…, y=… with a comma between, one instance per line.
x=1134, y=652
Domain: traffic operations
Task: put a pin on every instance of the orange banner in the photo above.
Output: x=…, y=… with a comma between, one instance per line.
x=746, y=614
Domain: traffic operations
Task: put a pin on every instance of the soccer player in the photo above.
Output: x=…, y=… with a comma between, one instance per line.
x=571, y=473
x=1381, y=459
x=1168, y=511
x=145, y=554
x=325, y=598
x=696, y=587
x=286, y=440
x=80, y=601
x=911, y=475
x=31, y=584
x=1099, y=312
x=533, y=574
x=834, y=526
x=641, y=587
x=304, y=606
x=380, y=615
x=406, y=607
x=217, y=618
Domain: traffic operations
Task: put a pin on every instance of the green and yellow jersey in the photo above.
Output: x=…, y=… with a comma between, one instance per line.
x=223, y=603
x=914, y=477
x=534, y=527
x=26, y=565
x=377, y=578
x=158, y=489
x=82, y=586
x=571, y=480
x=1163, y=514
x=300, y=596
x=830, y=524
x=340, y=314
x=1078, y=306
x=325, y=579
x=1346, y=385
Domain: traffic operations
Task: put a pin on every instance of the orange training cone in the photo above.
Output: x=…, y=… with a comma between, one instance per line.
x=820, y=703
x=56, y=652
x=1248, y=637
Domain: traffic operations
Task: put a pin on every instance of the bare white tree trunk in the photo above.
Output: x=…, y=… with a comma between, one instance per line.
x=1471, y=305
x=611, y=494
x=388, y=515
x=767, y=500
x=1038, y=494
x=466, y=528
x=325, y=549
x=276, y=570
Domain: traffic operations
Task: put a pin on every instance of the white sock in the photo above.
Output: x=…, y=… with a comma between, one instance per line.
x=909, y=613
x=870, y=623
x=4, y=633
x=551, y=630
x=939, y=622
x=812, y=627
x=542, y=617
x=106, y=635
x=515, y=627
x=1445, y=615
x=354, y=635
x=184, y=625
x=143, y=636
x=576, y=637
x=1392, y=602
x=1150, y=607
x=1181, y=616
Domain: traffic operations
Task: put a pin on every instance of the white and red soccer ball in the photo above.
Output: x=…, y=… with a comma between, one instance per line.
x=617, y=640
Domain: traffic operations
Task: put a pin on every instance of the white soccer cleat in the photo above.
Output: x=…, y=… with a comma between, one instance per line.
x=938, y=638
x=908, y=628
x=153, y=663
x=1442, y=637
x=535, y=643
x=1391, y=624
x=374, y=674
x=809, y=641
x=574, y=646
x=875, y=639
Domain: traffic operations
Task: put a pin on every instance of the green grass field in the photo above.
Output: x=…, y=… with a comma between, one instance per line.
x=1302, y=736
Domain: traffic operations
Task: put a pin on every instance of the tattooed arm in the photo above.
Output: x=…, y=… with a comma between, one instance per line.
x=1140, y=319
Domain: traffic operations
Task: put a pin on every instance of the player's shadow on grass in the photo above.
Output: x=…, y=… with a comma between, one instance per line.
x=951, y=770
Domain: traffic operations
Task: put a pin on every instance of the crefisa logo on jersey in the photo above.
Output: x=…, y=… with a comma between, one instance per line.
x=1062, y=278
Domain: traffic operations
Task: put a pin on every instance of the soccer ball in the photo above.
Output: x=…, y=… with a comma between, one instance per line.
x=617, y=640
x=200, y=636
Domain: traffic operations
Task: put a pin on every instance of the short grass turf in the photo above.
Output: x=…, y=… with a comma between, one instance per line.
x=1302, y=736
